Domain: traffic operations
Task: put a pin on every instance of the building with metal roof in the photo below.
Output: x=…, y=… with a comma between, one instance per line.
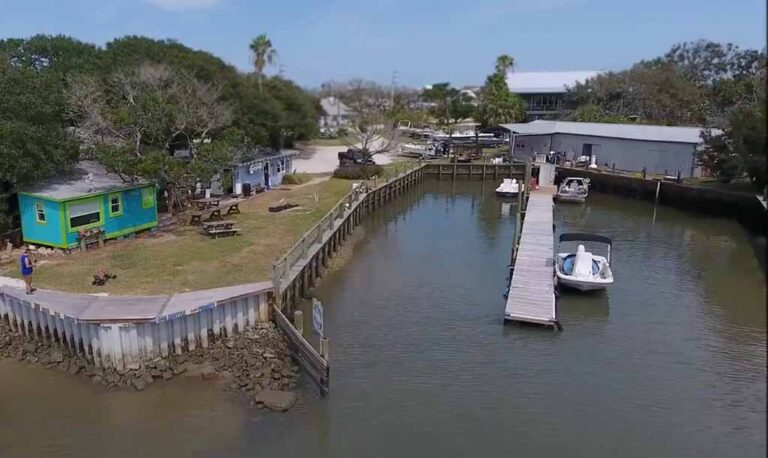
x=628, y=147
x=61, y=211
x=544, y=92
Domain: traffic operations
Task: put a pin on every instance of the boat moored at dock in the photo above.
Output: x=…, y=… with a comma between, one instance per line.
x=583, y=270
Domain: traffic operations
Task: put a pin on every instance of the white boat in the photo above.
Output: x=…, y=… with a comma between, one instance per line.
x=460, y=135
x=509, y=188
x=573, y=189
x=583, y=270
x=416, y=150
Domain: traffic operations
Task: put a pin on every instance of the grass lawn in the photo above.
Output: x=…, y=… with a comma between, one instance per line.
x=185, y=259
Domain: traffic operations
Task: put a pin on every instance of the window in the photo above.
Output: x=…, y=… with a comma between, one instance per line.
x=39, y=212
x=280, y=166
x=115, y=204
x=147, y=197
x=84, y=214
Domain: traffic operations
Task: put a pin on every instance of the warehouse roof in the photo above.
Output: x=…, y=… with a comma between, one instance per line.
x=546, y=82
x=596, y=129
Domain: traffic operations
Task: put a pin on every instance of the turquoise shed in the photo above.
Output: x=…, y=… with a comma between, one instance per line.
x=56, y=212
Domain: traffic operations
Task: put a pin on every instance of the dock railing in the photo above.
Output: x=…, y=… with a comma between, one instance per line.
x=281, y=268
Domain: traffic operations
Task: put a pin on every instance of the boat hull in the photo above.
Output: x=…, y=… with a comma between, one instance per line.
x=581, y=285
x=571, y=199
x=507, y=194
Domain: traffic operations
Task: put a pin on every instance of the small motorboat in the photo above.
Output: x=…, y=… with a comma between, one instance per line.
x=509, y=188
x=416, y=150
x=583, y=270
x=573, y=189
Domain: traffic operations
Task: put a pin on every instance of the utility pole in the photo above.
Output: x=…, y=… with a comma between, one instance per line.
x=392, y=89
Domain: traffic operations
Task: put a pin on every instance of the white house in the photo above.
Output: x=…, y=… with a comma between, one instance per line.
x=334, y=113
x=630, y=147
x=544, y=92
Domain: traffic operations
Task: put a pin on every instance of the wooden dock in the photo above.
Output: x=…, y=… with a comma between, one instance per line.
x=531, y=296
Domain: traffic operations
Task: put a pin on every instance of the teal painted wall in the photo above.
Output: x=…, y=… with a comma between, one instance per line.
x=48, y=233
x=133, y=217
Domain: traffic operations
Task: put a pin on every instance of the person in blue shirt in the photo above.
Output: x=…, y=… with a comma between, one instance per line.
x=26, y=270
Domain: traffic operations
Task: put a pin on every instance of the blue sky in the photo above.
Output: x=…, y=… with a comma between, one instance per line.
x=424, y=41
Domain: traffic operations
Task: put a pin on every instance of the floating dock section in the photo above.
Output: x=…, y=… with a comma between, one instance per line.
x=531, y=296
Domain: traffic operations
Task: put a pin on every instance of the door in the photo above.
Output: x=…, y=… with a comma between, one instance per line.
x=266, y=174
x=586, y=149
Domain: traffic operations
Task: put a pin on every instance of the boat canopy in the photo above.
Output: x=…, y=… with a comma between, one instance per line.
x=584, y=237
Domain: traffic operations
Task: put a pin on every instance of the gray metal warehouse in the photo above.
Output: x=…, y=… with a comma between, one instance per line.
x=631, y=147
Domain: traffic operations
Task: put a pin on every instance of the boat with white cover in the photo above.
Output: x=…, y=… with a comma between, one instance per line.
x=573, y=189
x=416, y=150
x=509, y=188
x=583, y=270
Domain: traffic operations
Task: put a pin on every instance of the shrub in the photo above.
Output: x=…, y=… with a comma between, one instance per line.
x=358, y=172
x=296, y=178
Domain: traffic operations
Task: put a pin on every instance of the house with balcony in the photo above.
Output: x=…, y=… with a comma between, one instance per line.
x=544, y=92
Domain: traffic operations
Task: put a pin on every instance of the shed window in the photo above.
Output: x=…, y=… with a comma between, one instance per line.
x=84, y=213
x=280, y=166
x=147, y=197
x=115, y=205
x=39, y=212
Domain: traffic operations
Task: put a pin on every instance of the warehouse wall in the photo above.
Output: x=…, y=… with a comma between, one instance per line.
x=630, y=155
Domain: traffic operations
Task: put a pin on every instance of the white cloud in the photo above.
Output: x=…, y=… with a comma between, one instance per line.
x=181, y=5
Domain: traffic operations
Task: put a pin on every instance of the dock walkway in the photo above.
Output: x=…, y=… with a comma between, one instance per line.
x=531, y=295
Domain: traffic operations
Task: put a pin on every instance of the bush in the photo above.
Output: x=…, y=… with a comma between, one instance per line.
x=296, y=178
x=358, y=172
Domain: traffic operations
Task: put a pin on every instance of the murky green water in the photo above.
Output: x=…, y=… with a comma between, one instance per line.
x=670, y=362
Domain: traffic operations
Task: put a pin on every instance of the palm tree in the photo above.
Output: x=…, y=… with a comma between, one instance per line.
x=503, y=63
x=263, y=54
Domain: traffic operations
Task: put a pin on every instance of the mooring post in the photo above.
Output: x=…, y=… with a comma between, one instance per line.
x=325, y=349
x=658, y=189
x=643, y=173
x=298, y=321
x=613, y=169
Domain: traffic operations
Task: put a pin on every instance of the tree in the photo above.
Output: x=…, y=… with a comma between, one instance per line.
x=130, y=120
x=593, y=113
x=450, y=106
x=263, y=54
x=371, y=130
x=740, y=148
x=34, y=144
x=498, y=104
x=657, y=92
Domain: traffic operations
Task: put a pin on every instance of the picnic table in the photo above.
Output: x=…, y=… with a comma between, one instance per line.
x=214, y=213
x=217, y=228
x=208, y=202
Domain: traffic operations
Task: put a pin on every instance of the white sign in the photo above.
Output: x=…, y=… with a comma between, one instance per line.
x=317, y=316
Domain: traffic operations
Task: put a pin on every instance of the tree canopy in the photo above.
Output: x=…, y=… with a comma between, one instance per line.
x=129, y=104
x=450, y=106
x=498, y=105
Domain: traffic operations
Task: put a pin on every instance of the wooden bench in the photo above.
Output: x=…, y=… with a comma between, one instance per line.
x=214, y=213
x=217, y=228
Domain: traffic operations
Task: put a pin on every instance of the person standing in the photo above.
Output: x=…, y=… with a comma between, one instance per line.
x=26, y=270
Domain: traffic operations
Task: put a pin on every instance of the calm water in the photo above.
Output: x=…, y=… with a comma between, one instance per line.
x=670, y=362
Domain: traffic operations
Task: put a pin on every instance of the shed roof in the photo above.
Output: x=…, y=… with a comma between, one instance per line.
x=251, y=155
x=546, y=82
x=646, y=132
x=77, y=183
x=334, y=106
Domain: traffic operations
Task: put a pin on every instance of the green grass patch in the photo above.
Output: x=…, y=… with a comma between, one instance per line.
x=186, y=259
x=296, y=178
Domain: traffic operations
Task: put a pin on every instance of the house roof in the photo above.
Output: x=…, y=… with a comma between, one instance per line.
x=77, y=183
x=334, y=106
x=546, y=82
x=596, y=129
x=250, y=155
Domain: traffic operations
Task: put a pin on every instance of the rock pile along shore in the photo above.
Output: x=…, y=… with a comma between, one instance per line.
x=251, y=362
